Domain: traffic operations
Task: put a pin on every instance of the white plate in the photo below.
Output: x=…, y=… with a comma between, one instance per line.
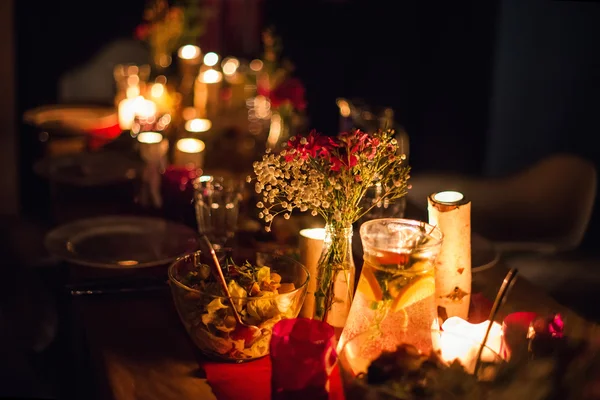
x=88, y=169
x=121, y=242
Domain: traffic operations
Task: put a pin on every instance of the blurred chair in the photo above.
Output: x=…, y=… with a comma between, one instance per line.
x=545, y=208
x=94, y=81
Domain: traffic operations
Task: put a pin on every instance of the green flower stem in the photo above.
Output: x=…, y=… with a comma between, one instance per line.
x=333, y=261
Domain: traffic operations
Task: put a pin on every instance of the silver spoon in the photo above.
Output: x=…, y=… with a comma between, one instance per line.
x=242, y=330
x=507, y=285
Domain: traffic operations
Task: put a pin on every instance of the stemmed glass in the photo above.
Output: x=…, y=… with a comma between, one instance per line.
x=217, y=203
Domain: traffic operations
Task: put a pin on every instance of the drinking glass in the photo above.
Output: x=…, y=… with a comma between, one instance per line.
x=217, y=203
x=395, y=295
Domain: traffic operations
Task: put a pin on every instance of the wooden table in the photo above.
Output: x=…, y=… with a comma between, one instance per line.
x=140, y=350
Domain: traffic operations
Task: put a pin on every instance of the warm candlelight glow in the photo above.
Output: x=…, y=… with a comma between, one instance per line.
x=189, y=113
x=150, y=137
x=157, y=90
x=344, y=108
x=275, y=130
x=448, y=197
x=130, y=108
x=256, y=65
x=190, y=145
x=198, y=125
x=189, y=52
x=211, y=59
x=230, y=66
x=313, y=233
x=461, y=340
x=132, y=92
x=211, y=76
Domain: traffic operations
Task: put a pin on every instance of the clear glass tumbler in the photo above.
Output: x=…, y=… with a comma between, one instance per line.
x=217, y=202
x=395, y=295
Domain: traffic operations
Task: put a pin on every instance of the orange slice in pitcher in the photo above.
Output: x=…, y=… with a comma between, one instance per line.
x=414, y=292
x=389, y=258
x=368, y=285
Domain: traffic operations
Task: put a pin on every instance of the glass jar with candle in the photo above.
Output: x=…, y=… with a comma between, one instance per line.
x=395, y=296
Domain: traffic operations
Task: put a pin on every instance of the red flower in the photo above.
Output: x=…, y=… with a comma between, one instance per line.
x=313, y=145
x=291, y=90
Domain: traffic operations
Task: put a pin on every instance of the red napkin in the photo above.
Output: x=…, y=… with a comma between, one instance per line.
x=250, y=381
x=99, y=137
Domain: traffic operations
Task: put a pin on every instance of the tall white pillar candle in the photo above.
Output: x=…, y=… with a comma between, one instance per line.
x=451, y=213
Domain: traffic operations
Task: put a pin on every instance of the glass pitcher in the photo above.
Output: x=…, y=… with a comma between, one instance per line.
x=395, y=296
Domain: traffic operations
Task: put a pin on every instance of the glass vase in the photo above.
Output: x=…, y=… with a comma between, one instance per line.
x=335, y=277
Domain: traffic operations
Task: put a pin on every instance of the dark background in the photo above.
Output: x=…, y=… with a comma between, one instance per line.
x=482, y=87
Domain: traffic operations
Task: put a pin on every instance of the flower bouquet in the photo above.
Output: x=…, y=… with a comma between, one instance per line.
x=328, y=176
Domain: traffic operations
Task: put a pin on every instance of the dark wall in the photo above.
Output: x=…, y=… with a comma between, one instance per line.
x=431, y=62
x=546, y=82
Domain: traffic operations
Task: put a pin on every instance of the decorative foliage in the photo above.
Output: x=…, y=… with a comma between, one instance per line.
x=329, y=176
x=285, y=92
x=166, y=27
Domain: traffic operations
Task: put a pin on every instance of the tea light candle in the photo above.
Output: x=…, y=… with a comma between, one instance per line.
x=130, y=108
x=451, y=212
x=461, y=340
x=207, y=92
x=311, y=245
x=189, y=151
x=198, y=125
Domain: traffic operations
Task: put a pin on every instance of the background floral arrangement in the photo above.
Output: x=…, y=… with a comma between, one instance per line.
x=167, y=27
x=329, y=176
x=286, y=93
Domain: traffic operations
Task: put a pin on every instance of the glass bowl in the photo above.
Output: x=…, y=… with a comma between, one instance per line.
x=209, y=320
x=357, y=355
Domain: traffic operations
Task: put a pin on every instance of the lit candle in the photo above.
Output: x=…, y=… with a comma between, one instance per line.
x=451, y=212
x=130, y=108
x=461, y=340
x=311, y=246
x=198, y=125
x=189, y=54
x=189, y=151
x=153, y=147
x=207, y=92
x=211, y=59
x=235, y=81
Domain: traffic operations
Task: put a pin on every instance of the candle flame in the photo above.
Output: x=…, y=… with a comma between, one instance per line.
x=211, y=76
x=211, y=59
x=198, y=125
x=190, y=145
x=256, y=65
x=157, y=90
x=230, y=66
x=189, y=52
x=313, y=233
x=150, y=137
x=448, y=196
